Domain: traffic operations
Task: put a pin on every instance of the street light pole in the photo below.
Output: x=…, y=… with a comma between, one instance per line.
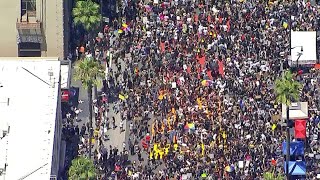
x=299, y=53
x=288, y=145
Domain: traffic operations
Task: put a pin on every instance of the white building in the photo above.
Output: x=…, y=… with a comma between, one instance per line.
x=30, y=118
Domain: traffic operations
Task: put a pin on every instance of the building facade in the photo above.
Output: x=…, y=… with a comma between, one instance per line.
x=35, y=28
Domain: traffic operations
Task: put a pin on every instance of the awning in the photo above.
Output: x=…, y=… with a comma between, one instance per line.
x=33, y=38
x=296, y=168
x=296, y=148
x=29, y=32
x=65, y=74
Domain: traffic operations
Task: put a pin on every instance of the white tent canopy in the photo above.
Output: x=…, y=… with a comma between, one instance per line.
x=303, y=47
x=296, y=111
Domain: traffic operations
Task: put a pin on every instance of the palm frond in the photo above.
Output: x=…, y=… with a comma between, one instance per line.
x=87, y=14
x=82, y=169
x=287, y=89
x=89, y=72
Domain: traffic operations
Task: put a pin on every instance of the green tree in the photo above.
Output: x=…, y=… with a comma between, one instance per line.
x=87, y=14
x=82, y=168
x=272, y=176
x=287, y=89
x=89, y=72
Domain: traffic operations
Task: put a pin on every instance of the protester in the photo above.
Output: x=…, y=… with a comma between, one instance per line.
x=197, y=88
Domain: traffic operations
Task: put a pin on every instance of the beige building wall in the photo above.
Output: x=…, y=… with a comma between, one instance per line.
x=54, y=28
x=9, y=12
x=50, y=13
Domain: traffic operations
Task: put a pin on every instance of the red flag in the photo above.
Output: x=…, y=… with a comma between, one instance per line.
x=300, y=129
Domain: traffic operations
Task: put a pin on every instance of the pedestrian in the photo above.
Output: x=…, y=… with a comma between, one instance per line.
x=114, y=122
x=107, y=123
x=124, y=147
x=121, y=126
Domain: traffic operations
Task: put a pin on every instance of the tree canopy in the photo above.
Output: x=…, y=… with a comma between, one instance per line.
x=87, y=14
x=287, y=89
x=272, y=176
x=82, y=169
x=89, y=72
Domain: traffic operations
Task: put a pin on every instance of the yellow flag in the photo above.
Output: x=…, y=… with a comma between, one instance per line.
x=122, y=97
x=285, y=25
x=274, y=126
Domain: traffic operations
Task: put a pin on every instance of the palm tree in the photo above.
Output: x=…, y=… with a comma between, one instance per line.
x=287, y=90
x=82, y=168
x=89, y=72
x=87, y=14
x=272, y=176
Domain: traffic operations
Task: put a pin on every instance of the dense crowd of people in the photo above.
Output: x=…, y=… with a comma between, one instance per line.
x=198, y=89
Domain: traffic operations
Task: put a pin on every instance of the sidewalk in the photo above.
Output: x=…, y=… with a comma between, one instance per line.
x=116, y=139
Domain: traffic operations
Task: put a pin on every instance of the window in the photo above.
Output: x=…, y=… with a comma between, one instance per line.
x=28, y=7
x=27, y=49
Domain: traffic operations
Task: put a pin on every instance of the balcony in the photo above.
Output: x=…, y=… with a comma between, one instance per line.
x=29, y=30
x=28, y=21
x=28, y=25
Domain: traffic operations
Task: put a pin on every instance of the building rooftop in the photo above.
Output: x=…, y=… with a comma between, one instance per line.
x=28, y=105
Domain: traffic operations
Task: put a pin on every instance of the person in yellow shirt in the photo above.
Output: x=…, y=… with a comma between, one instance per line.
x=156, y=154
x=161, y=153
